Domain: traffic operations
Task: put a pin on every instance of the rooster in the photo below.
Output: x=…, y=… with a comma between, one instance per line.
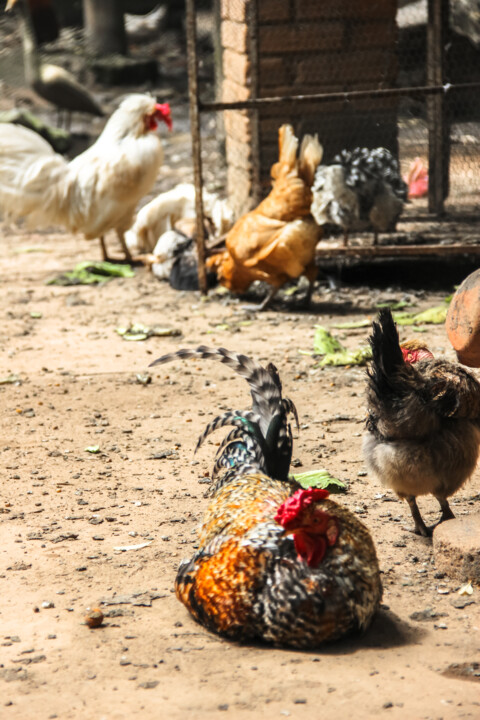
x=361, y=190
x=423, y=425
x=276, y=241
x=98, y=190
x=275, y=562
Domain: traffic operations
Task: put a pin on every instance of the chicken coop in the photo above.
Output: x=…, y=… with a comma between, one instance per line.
x=396, y=74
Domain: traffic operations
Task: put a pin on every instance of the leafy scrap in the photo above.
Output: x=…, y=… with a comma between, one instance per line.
x=320, y=479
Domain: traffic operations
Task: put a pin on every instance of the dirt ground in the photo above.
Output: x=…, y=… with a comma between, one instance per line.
x=65, y=512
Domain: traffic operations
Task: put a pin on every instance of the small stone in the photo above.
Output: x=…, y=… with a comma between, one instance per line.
x=149, y=685
x=94, y=618
x=455, y=547
x=48, y=604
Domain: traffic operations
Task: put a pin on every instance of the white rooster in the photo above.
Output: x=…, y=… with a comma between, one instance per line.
x=97, y=191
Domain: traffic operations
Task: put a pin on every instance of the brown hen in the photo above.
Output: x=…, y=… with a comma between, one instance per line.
x=276, y=241
x=275, y=562
x=423, y=425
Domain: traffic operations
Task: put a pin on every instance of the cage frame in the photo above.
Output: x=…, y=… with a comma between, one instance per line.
x=435, y=91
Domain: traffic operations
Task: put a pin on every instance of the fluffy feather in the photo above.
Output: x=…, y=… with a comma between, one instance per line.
x=99, y=189
x=276, y=241
x=275, y=562
x=423, y=425
x=164, y=211
x=361, y=190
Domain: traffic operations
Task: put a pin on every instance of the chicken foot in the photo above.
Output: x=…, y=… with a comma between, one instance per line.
x=420, y=527
x=264, y=304
x=121, y=238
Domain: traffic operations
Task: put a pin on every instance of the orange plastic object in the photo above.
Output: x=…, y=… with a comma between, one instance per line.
x=463, y=321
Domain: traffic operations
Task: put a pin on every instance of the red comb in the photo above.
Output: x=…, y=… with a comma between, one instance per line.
x=296, y=503
x=162, y=111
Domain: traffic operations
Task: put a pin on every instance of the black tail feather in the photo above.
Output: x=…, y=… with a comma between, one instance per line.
x=265, y=429
x=387, y=357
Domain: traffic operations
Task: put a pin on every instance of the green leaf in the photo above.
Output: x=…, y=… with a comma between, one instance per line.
x=320, y=479
x=137, y=331
x=324, y=343
x=10, y=379
x=432, y=316
x=346, y=357
x=394, y=305
x=352, y=325
x=90, y=273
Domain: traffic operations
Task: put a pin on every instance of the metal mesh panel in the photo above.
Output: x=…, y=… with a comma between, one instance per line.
x=284, y=48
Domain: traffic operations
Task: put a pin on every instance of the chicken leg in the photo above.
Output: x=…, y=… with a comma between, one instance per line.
x=264, y=304
x=126, y=251
x=420, y=527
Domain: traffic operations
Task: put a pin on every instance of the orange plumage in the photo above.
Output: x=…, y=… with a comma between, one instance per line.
x=274, y=561
x=276, y=241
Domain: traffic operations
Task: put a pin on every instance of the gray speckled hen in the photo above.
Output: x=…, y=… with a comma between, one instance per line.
x=423, y=424
x=275, y=562
x=361, y=190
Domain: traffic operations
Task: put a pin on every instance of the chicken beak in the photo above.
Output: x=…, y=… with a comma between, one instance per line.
x=10, y=4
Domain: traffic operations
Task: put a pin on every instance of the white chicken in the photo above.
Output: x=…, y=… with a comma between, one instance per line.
x=164, y=211
x=97, y=191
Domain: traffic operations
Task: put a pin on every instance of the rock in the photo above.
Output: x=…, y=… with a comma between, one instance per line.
x=456, y=546
x=463, y=321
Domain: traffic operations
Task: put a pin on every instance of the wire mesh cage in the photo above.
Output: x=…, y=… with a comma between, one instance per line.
x=367, y=73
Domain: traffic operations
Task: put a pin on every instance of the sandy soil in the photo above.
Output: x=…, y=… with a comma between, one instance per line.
x=65, y=512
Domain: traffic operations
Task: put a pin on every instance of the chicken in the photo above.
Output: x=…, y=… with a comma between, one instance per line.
x=164, y=211
x=423, y=425
x=361, y=190
x=276, y=241
x=417, y=179
x=98, y=190
x=275, y=562
x=175, y=259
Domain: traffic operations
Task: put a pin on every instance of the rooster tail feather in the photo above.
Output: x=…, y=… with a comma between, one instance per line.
x=266, y=426
x=244, y=420
x=311, y=153
x=387, y=357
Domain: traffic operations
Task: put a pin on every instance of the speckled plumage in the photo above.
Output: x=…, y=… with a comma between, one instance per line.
x=246, y=581
x=423, y=424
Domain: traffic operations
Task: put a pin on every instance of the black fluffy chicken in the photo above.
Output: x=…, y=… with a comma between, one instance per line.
x=423, y=425
x=275, y=562
x=361, y=190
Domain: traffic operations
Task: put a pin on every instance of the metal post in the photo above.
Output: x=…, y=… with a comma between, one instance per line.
x=438, y=126
x=192, y=62
x=252, y=19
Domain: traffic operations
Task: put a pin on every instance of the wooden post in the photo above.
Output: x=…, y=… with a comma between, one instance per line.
x=437, y=110
x=192, y=63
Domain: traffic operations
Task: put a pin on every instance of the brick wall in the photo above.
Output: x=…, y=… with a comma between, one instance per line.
x=306, y=46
